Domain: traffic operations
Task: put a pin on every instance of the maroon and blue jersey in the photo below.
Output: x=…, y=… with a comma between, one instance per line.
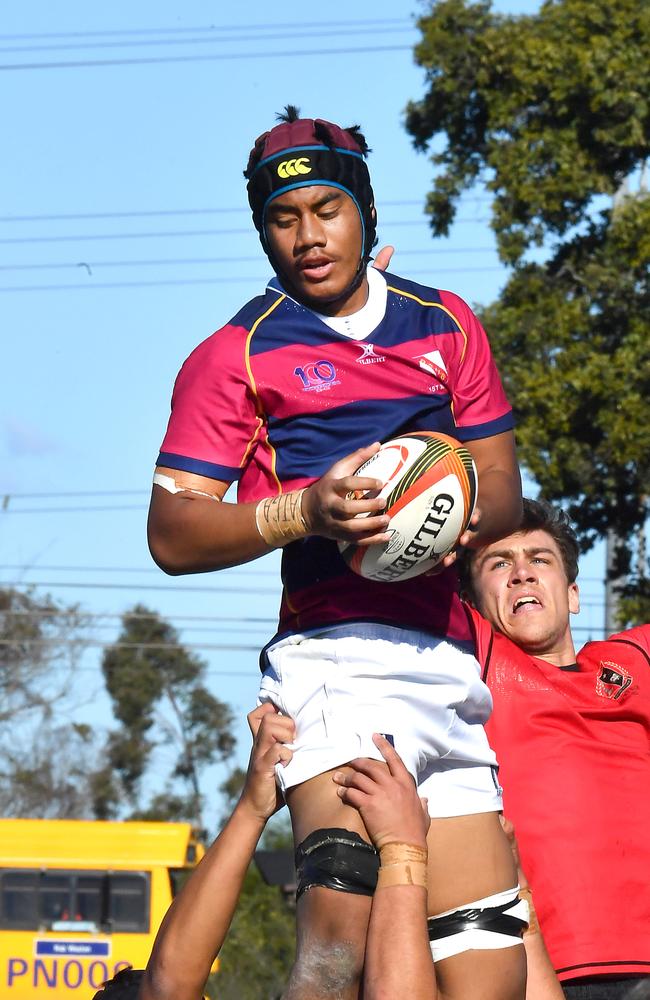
x=276, y=396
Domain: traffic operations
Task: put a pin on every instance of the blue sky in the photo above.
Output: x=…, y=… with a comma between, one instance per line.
x=126, y=240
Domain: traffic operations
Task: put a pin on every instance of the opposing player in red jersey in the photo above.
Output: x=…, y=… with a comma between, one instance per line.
x=284, y=400
x=572, y=735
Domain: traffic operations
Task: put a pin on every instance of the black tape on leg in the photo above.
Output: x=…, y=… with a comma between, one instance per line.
x=337, y=859
x=489, y=918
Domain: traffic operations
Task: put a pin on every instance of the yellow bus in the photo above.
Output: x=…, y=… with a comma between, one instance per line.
x=80, y=900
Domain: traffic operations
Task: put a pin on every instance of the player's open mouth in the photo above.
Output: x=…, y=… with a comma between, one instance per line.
x=316, y=269
x=523, y=604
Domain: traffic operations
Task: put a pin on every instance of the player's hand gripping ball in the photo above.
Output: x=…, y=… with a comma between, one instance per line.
x=430, y=485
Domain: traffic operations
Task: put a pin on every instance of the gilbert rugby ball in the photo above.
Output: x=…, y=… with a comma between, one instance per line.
x=430, y=485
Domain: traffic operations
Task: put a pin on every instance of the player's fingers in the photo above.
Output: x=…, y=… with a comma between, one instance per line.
x=275, y=729
x=354, y=529
x=255, y=717
x=347, y=466
x=349, y=505
x=377, y=538
x=352, y=796
x=383, y=258
x=361, y=780
x=389, y=753
x=277, y=754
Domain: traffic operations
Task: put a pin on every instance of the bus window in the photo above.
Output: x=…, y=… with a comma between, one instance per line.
x=55, y=898
x=118, y=901
x=89, y=902
x=129, y=910
x=19, y=900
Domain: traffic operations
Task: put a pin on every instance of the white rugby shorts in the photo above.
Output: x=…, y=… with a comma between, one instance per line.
x=424, y=693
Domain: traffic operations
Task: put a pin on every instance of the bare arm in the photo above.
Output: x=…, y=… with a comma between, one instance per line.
x=541, y=983
x=499, y=489
x=398, y=956
x=191, y=533
x=197, y=922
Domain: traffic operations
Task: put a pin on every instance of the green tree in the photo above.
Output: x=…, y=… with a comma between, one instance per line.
x=50, y=773
x=40, y=642
x=551, y=113
x=46, y=765
x=258, y=952
x=159, y=699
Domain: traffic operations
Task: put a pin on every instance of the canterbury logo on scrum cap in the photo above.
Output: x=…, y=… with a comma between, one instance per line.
x=291, y=168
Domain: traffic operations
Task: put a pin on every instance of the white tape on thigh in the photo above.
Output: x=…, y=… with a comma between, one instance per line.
x=477, y=938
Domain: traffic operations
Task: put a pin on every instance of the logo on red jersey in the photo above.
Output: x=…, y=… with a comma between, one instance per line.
x=434, y=365
x=317, y=375
x=368, y=356
x=612, y=680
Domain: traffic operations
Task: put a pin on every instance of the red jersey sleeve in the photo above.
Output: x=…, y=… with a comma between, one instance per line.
x=214, y=423
x=480, y=406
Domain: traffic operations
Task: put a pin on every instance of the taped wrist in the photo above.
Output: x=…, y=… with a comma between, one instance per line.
x=533, y=926
x=402, y=864
x=279, y=519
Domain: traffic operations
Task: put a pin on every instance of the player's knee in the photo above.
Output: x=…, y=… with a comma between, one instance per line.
x=324, y=970
x=337, y=859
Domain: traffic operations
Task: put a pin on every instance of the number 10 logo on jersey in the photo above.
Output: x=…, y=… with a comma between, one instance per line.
x=317, y=375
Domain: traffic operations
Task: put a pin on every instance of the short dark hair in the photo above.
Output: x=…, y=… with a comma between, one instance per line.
x=538, y=515
x=125, y=985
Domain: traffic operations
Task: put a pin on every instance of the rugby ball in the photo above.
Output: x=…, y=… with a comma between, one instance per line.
x=430, y=485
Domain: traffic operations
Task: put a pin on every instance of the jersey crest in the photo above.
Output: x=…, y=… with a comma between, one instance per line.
x=612, y=680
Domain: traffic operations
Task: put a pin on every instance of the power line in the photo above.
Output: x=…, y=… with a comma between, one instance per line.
x=91, y=618
x=68, y=217
x=205, y=57
x=227, y=589
x=19, y=240
x=180, y=261
x=74, y=493
x=105, y=33
x=175, y=282
x=236, y=570
x=216, y=39
x=15, y=240
x=67, y=510
x=24, y=567
x=61, y=641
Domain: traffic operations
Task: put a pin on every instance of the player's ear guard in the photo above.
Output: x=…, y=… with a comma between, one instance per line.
x=337, y=859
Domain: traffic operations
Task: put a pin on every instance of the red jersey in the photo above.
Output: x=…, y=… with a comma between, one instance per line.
x=574, y=753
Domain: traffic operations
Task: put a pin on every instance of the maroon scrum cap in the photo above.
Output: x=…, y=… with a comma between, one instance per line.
x=300, y=152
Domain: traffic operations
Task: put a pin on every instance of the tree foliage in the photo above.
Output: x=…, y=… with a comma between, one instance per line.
x=258, y=952
x=159, y=699
x=45, y=767
x=551, y=112
x=547, y=109
x=39, y=646
x=50, y=773
x=571, y=339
